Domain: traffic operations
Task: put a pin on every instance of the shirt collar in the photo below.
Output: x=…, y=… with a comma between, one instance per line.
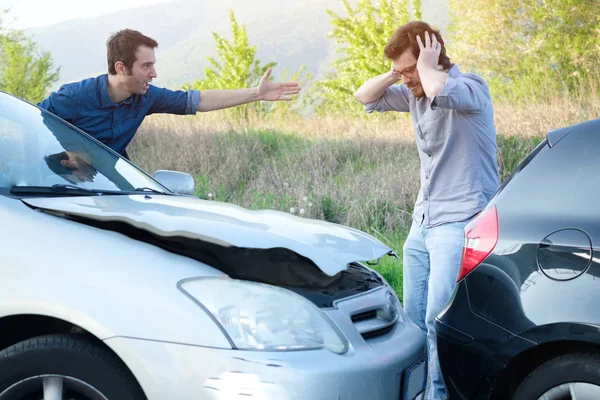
x=454, y=72
x=104, y=97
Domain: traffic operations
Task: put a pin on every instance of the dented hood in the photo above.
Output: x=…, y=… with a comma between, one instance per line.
x=330, y=246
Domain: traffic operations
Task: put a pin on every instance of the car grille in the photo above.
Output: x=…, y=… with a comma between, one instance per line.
x=377, y=333
x=372, y=314
x=363, y=316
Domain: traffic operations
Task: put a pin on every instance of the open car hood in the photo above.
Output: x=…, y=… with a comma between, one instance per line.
x=331, y=247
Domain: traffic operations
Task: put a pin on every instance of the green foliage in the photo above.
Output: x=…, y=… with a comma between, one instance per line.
x=417, y=9
x=512, y=150
x=236, y=67
x=528, y=49
x=24, y=70
x=360, y=38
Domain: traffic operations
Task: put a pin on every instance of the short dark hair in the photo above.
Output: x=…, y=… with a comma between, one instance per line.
x=54, y=163
x=121, y=46
x=405, y=37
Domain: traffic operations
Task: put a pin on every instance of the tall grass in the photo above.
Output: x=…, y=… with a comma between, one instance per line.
x=361, y=172
x=362, y=181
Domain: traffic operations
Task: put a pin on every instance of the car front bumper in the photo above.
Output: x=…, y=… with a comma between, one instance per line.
x=372, y=370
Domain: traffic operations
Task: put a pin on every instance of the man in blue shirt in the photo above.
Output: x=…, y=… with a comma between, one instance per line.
x=111, y=107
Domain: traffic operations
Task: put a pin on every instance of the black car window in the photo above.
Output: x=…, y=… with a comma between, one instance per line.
x=560, y=184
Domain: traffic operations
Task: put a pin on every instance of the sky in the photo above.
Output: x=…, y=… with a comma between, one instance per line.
x=34, y=13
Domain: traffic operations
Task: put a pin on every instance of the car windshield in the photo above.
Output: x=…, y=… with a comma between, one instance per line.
x=38, y=149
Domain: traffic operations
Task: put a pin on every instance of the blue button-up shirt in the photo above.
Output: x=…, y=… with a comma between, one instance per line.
x=456, y=141
x=87, y=105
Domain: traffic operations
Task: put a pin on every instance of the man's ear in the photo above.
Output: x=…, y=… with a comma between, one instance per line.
x=120, y=68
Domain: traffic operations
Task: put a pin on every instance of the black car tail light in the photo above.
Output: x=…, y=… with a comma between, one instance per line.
x=481, y=236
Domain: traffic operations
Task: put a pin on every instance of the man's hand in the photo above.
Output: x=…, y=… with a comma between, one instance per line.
x=274, y=91
x=433, y=79
x=374, y=88
x=429, y=53
x=395, y=73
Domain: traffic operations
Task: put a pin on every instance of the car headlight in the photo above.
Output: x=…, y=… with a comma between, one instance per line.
x=258, y=316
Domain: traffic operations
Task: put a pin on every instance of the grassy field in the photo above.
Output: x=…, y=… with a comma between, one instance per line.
x=361, y=172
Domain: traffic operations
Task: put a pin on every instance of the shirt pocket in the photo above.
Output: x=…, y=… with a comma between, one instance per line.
x=434, y=126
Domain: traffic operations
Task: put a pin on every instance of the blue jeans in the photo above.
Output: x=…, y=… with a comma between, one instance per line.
x=430, y=268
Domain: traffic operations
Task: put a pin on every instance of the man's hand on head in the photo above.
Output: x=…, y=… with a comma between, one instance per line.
x=429, y=53
x=395, y=74
x=433, y=79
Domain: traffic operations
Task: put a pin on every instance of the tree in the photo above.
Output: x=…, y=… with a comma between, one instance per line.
x=24, y=70
x=360, y=38
x=531, y=48
x=236, y=67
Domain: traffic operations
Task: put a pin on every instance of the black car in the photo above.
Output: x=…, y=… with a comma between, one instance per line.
x=524, y=319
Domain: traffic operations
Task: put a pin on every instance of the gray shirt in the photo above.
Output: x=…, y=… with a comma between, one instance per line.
x=456, y=141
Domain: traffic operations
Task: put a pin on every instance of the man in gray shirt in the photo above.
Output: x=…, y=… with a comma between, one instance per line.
x=456, y=141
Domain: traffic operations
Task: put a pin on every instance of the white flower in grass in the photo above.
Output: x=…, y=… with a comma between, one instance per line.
x=305, y=198
x=210, y=195
x=302, y=211
x=292, y=210
x=309, y=204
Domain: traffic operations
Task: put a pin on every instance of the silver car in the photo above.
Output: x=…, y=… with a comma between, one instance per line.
x=118, y=285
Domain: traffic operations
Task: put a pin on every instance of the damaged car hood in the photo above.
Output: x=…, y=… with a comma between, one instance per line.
x=330, y=246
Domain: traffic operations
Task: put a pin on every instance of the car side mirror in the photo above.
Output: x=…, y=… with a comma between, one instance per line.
x=177, y=182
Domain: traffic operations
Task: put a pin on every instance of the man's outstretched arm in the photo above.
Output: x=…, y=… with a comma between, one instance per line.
x=266, y=91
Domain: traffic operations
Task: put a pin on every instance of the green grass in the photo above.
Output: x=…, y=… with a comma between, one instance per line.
x=278, y=143
x=390, y=267
x=512, y=150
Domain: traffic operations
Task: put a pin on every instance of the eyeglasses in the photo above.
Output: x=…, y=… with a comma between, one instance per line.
x=408, y=71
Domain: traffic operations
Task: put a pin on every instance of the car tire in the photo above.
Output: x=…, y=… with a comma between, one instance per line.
x=80, y=366
x=570, y=368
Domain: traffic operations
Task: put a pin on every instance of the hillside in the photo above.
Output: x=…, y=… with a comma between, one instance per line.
x=289, y=32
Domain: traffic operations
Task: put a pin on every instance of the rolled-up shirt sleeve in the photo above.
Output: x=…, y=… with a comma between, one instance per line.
x=173, y=101
x=395, y=98
x=465, y=93
x=193, y=101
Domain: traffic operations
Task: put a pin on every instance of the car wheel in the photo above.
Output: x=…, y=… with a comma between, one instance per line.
x=64, y=367
x=572, y=376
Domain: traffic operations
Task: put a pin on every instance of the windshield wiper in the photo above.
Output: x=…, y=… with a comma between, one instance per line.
x=70, y=190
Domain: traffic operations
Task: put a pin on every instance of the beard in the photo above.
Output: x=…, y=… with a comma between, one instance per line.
x=417, y=90
x=137, y=86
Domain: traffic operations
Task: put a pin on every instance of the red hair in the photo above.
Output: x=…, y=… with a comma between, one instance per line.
x=405, y=37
